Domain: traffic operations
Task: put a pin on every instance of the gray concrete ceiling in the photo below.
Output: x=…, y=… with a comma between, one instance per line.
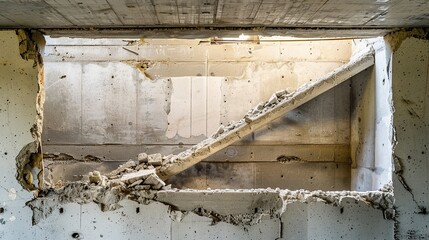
x=345, y=14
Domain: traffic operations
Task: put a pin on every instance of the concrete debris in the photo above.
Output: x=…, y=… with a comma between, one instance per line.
x=281, y=93
x=219, y=131
x=97, y=178
x=169, y=159
x=154, y=181
x=142, y=158
x=141, y=166
x=273, y=99
x=122, y=168
x=155, y=159
x=140, y=175
x=177, y=216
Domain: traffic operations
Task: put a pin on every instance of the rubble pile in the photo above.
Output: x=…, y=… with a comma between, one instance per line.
x=138, y=175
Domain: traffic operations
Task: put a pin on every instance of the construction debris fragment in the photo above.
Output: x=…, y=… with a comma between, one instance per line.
x=155, y=159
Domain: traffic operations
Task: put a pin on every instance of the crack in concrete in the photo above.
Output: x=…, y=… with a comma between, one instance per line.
x=399, y=171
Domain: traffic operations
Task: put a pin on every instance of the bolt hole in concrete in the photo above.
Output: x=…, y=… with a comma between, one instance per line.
x=76, y=235
x=105, y=107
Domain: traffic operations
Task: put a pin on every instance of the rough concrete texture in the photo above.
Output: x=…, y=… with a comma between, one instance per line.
x=371, y=122
x=211, y=14
x=410, y=80
x=19, y=89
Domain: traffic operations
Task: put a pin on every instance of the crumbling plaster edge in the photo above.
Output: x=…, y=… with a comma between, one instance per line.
x=29, y=161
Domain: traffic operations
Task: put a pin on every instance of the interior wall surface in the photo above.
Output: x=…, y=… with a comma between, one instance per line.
x=18, y=92
x=371, y=121
x=410, y=65
x=18, y=87
x=116, y=98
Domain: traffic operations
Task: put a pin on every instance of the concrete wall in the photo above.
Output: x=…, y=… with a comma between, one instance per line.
x=18, y=88
x=371, y=121
x=163, y=95
x=410, y=65
x=18, y=91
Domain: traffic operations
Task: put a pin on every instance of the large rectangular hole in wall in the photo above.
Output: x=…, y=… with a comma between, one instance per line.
x=107, y=100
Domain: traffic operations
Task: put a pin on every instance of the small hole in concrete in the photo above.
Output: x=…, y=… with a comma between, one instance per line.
x=75, y=235
x=61, y=210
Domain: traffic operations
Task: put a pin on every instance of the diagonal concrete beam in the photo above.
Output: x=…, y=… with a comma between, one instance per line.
x=278, y=105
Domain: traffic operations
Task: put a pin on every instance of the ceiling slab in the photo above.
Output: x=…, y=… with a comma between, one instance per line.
x=207, y=32
x=216, y=14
